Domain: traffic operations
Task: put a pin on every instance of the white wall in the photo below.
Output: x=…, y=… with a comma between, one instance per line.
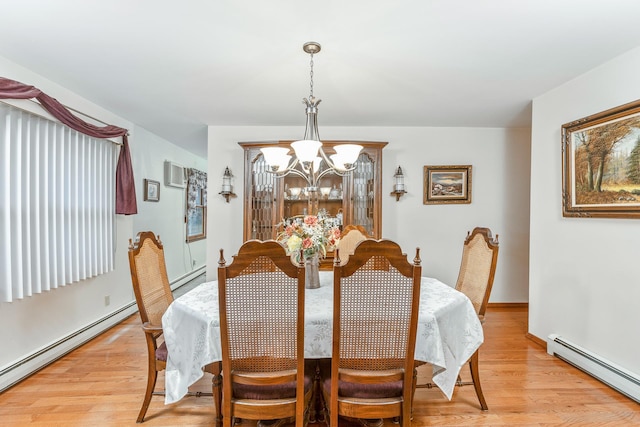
x=584, y=282
x=500, y=199
x=166, y=217
x=36, y=322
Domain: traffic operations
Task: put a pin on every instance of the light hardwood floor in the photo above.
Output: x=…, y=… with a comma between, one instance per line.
x=102, y=384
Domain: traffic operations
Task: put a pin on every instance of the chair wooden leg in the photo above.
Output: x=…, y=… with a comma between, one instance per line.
x=152, y=376
x=413, y=388
x=475, y=375
x=406, y=413
x=315, y=397
x=217, y=391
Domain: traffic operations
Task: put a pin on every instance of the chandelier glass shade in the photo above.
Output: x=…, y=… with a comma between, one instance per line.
x=309, y=160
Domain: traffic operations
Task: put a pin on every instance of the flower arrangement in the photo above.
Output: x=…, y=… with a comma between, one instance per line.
x=311, y=234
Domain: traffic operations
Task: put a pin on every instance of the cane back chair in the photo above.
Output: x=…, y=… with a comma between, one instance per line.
x=375, y=317
x=261, y=297
x=475, y=280
x=153, y=296
x=349, y=239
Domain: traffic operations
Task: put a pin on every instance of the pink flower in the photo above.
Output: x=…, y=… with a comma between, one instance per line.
x=289, y=230
x=307, y=243
x=311, y=220
x=335, y=233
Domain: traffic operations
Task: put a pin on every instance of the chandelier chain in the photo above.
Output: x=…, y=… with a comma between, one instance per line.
x=311, y=75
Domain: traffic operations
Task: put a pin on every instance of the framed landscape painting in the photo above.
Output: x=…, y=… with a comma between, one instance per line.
x=447, y=184
x=601, y=164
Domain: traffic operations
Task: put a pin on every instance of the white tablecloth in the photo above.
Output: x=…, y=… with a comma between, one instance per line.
x=449, y=332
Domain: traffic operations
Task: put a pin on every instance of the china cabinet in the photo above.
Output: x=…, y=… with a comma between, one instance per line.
x=352, y=199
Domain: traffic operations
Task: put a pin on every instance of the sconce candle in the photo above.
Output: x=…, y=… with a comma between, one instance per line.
x=398, y=187
x=226, y=180
x=399, y=180
x=227, y=187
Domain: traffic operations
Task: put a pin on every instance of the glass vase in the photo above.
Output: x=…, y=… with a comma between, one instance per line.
x=312, y=273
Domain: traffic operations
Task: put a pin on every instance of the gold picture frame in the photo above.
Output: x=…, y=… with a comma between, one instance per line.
x=447, y=184
x=601, y=164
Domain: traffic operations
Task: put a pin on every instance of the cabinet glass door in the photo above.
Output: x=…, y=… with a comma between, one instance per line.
x=363, y=193
x=263, y=201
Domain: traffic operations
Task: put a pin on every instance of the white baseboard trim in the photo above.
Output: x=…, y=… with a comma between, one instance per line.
x=35, y=361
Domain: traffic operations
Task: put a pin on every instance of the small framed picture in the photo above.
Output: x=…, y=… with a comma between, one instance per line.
x=151, y=190
x=447, y=184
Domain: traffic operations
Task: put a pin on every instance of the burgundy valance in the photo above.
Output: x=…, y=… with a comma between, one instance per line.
x=125, y=184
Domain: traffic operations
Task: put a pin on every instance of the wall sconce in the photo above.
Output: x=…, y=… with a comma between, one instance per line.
x=398, y=187
x=227, y=187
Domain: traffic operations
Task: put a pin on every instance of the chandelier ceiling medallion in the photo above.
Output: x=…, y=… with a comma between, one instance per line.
x=310, y=161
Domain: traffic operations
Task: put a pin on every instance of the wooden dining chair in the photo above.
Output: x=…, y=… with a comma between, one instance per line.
x=375, y=317
x=475, y=280
x=153, y=296
x=261, y=297
x=350, y=237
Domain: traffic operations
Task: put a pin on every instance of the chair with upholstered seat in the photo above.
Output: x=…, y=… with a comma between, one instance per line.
x=261, y=299
x=153, y=296
x=349, y=238
x=475, y=280
x=375, y=316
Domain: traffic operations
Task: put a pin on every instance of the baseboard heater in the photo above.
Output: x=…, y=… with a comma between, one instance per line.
x=32, y=363
x=607, y=372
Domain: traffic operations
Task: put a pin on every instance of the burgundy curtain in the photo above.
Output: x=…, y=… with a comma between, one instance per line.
x=125, y=184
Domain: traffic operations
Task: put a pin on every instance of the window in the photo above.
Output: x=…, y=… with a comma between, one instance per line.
x=196, y=205
x=57, y=201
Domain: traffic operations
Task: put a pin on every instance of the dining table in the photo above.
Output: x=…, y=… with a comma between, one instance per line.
x=449, y=332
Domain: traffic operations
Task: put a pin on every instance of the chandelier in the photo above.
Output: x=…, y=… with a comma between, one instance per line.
x=309, y=159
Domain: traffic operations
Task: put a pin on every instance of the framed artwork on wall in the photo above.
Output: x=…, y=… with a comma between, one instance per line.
x=151, y=190
x=447, y=184
x=601, y=164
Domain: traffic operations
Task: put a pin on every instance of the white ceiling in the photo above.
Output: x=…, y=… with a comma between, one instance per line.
x=176, y=67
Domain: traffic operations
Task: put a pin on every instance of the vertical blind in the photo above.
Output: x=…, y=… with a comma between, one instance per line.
x=57, y=220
